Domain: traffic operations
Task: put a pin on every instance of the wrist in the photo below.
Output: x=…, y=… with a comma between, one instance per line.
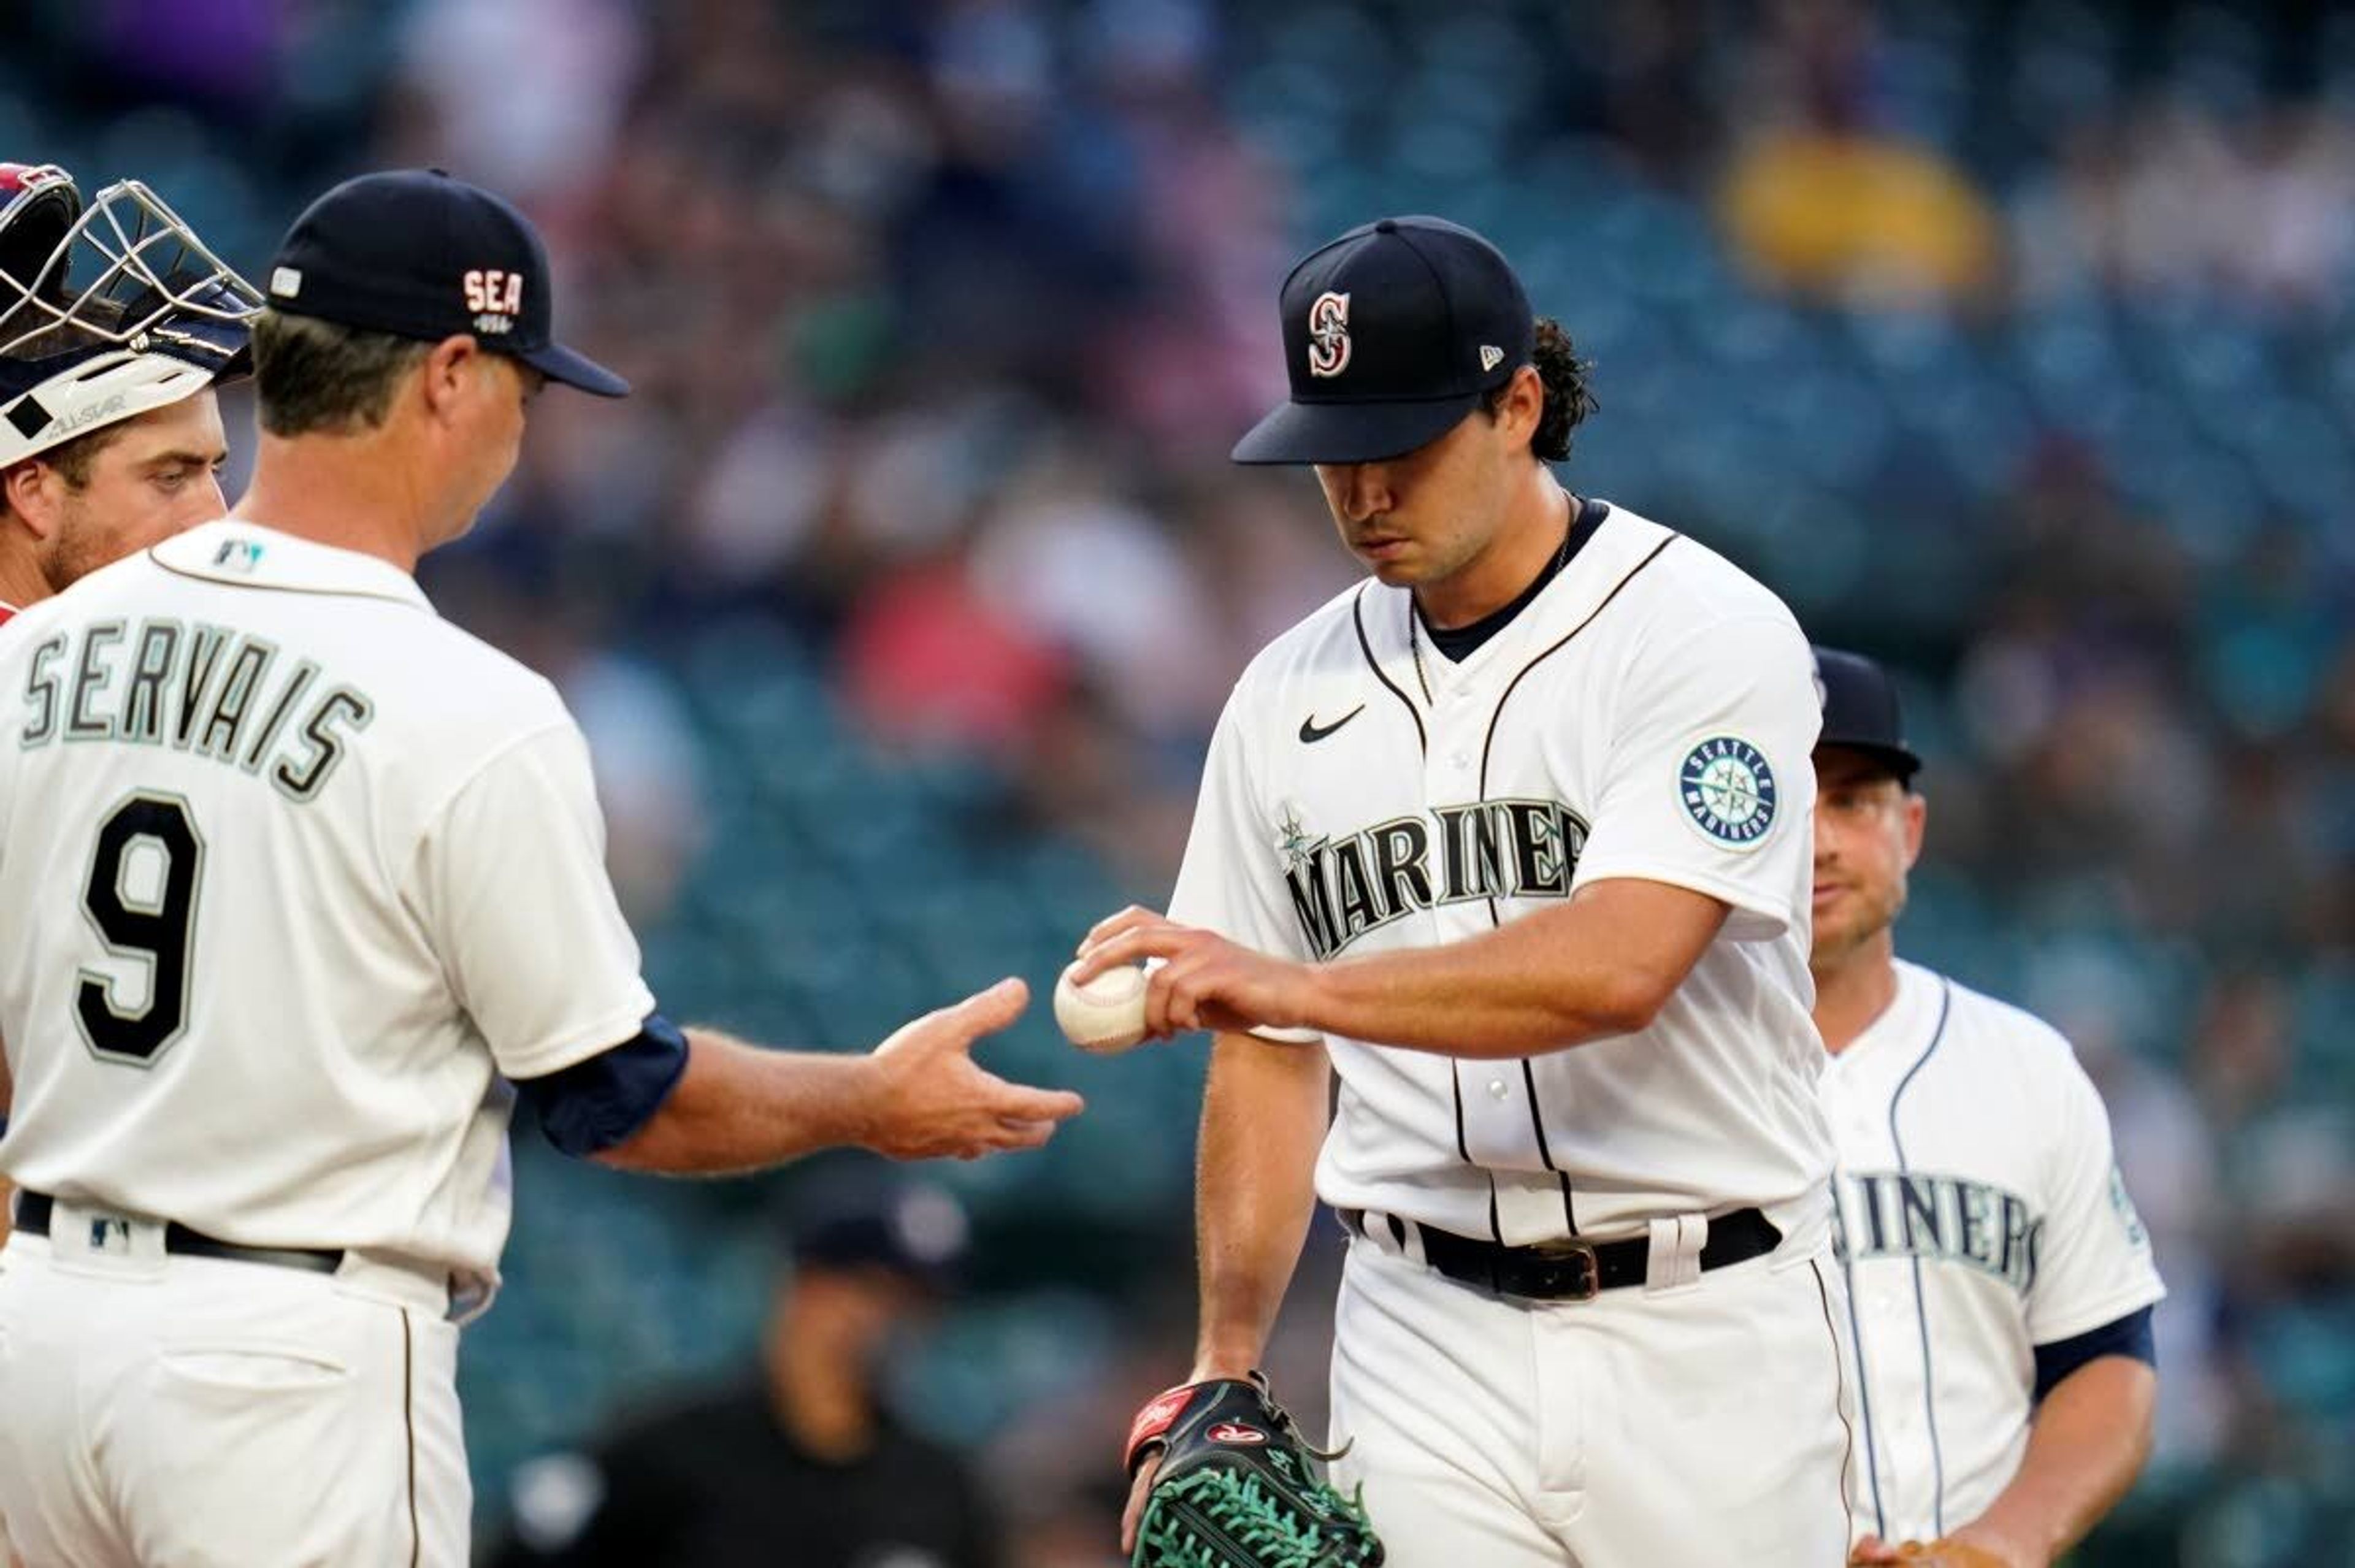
x=861, y=1116
x=2016, y=1544
x=1319, y=992
x=1226, y=1358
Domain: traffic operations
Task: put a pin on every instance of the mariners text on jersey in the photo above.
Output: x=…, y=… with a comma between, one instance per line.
x=1342, y=889
x=1943, y=1219
x=209, y=690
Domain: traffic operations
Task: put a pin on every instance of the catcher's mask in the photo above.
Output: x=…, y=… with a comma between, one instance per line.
x=125, y=310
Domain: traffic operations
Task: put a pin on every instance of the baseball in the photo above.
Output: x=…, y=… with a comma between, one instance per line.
x=1106, y=1014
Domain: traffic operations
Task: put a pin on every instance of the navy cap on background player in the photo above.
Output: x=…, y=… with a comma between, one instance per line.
x=913, y=1229
x=418, y=253
x=1862, y=712
x=1392, y=333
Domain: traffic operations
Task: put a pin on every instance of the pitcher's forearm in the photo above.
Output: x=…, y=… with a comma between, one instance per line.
x=1599, y=966
x=1263, y=1119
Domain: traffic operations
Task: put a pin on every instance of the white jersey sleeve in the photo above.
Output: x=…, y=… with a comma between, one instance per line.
x=511, y=881
x=2094, y=1262
x=1709, y=783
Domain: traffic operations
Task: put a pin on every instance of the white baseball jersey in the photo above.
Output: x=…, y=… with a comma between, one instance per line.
x=1981, y=1215
x=294, y=872
x=1649, y=714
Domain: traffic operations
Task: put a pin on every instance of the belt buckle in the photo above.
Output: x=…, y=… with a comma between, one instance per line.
x=1566, y=1247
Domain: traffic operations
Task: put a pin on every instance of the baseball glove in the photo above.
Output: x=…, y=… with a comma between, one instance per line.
x=1235, y=1488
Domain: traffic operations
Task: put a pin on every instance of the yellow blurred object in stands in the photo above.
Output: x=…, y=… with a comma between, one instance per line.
x=1851, y=218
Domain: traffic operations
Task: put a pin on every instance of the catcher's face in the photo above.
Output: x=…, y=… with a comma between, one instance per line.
x=157, y=474
x=1868, y=835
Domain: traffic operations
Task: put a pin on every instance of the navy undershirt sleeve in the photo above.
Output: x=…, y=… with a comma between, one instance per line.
x=593, y=1105
x=2128, y=1336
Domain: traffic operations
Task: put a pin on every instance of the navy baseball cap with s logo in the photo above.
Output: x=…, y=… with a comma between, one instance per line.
x=1392, y=333
x=417, y=253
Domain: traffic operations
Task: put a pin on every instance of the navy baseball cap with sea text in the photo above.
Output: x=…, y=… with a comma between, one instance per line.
x=418, y=253
x=1392, y=334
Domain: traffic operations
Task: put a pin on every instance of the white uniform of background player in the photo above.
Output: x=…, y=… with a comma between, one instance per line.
x=1999, y=1279
x=297, y=879
x=1469, y=856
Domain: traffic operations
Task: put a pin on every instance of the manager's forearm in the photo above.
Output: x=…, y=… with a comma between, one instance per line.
x=1599, y=966
x=738, y=1107
x=1264, y=1117
x=2089, y=1440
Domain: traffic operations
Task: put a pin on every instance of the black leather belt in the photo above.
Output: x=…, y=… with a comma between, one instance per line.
x=33, y=1211
x=1570, y=1270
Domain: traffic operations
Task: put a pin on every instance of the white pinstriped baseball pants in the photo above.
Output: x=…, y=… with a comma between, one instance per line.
x=204, y=1413
x=1685, y=1428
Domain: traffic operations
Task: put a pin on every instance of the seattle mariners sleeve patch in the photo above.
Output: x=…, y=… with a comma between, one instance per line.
x=1728, y=791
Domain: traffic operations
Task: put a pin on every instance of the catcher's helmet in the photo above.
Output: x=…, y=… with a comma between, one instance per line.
x=105, y=313
x=38, y=205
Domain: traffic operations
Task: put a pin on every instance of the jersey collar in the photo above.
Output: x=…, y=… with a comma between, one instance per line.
x=1903, y=1027
x=1618, y=545
x=246, y=555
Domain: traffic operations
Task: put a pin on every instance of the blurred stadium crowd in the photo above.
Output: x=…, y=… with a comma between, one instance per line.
x=2011, y=343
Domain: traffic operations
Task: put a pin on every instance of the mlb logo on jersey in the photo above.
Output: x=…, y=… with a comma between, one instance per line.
x=237, y=555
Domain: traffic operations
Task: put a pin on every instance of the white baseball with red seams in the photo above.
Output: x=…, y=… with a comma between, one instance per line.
x=1104, y=1015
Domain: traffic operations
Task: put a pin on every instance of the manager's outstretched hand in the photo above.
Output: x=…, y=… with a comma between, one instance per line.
x=934, y=1100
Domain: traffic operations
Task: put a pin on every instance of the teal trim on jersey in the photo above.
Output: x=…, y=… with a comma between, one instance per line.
x=1864, y=1395
x=413, y=601
x=1920, y=1301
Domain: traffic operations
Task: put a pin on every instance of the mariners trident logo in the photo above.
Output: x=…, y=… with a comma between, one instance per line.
x=1728, y=790
x=1328, y=333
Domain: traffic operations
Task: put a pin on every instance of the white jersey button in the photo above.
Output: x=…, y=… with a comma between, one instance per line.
x=1497, y=1088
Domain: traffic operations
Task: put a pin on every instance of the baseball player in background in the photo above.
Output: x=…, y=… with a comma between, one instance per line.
x=1514, y=836
x=2001, y=1283
x=304, y=886
x=115, y=324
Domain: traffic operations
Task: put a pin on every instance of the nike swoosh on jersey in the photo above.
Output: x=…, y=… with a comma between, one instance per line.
x=1311, y=731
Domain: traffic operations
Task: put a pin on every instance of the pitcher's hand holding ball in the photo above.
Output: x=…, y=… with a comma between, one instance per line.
x=1202, y=981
